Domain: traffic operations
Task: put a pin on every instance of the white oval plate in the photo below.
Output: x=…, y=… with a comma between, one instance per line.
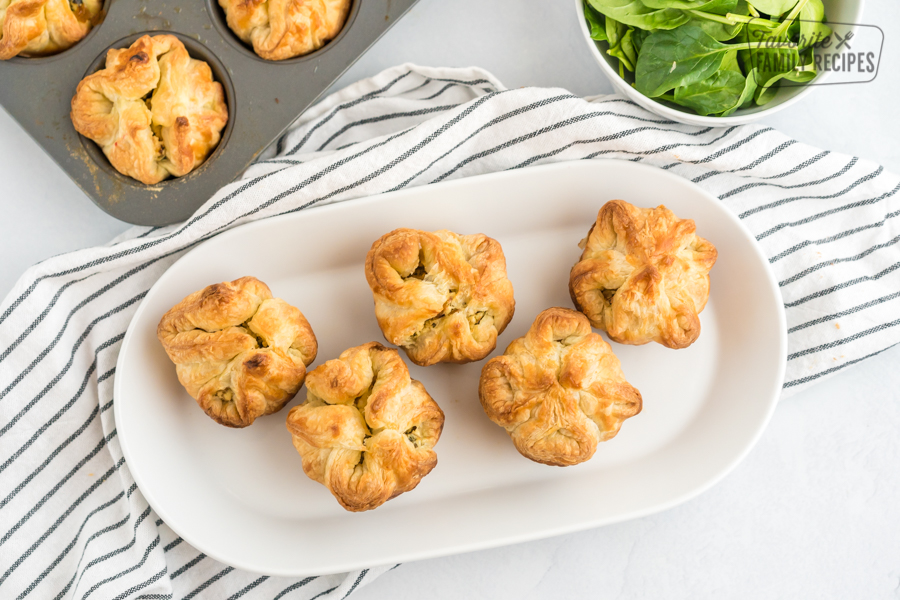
x=240, y=495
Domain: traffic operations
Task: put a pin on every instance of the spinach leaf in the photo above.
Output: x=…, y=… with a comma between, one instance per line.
x=624, y=50
x=680, y=57
x=746, y=97
x=716, y=94
x=772, y=66
x=801, y=74
x=637, y=14
x=730, y=62
x=789, y=21
x=717, y=29
x=812, y=28
x=773, y=8
x=595, y=23
x=677, y=4
x=767, y=91
x=769, y=55
x=614, y=31
x=723, y=7
x=619, y=36
x=637, y=37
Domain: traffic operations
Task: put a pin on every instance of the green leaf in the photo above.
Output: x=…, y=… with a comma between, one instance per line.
x=624, y=50
x=717, y=30
x=773, y=8
x=637, y=14
x=812, y=28
x=746, y=97
x=765, y=93
x=614, y=31
x=770, y=62
x=677, y=4
x=595, y=23
x=638, y=36
x=676, y=58
x=730, y=62
x=789, y=21
x=804, y=72
x=717, y=93
x=723, y=7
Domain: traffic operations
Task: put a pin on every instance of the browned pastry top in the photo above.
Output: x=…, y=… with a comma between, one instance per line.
x=558, y=391
x=280, y=29
x=643, y=276
x=42, y=27
x=153, y=109
x=442, y=296
x=237, y=350
x=367, y=431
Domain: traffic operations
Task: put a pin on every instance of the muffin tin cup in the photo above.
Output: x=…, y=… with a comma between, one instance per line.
x=264, y=97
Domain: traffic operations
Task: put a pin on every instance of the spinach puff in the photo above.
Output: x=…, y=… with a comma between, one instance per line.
x=153, y=110
x=239, y=352
x=366, y=431
x=558, y=391
x=643, y=276
x=280, y=29
x=441, y=296
x=43, y=27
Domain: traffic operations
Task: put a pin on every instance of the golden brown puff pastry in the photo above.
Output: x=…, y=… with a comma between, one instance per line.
x=280, y=29
x=154, y=110
x=442, y=297
x=643, y=276
x=367, y=431
x=43, y=27
x=237, y=350
x=558, y=391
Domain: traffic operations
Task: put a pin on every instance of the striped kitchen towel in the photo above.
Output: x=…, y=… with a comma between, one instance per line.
x=74, y=524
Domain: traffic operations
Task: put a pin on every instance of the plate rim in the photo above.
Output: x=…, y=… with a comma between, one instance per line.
x=495, y=542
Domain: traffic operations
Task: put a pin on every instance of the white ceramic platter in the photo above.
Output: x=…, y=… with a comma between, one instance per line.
x=240, y=495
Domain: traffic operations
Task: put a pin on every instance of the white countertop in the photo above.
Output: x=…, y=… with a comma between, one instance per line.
x=812, y=512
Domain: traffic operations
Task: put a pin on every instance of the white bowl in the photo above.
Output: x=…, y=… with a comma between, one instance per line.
x=836, y=11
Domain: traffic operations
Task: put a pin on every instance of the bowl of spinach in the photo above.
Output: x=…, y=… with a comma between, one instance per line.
x=712, y=62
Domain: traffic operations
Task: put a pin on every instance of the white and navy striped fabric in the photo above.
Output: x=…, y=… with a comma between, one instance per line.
x=74, y=524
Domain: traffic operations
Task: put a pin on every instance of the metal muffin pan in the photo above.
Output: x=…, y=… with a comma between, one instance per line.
x=264, y=97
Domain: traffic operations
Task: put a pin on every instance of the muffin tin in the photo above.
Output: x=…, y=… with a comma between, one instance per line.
x=264, y=97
